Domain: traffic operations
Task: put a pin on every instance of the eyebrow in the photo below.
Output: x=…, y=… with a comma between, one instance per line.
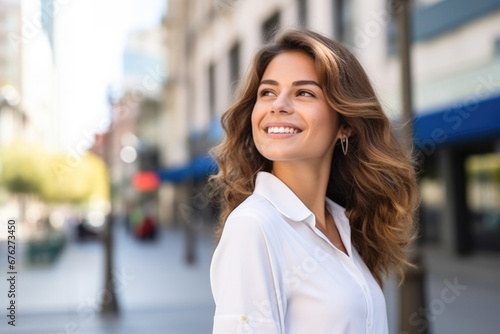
x=295, y=83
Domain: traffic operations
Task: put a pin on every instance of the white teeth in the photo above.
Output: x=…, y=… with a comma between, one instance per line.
x=281, y=129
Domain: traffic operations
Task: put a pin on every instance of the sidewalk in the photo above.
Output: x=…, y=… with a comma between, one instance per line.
x=174, y=320
x=473, y=304
x=157, y=291
x=462, y=295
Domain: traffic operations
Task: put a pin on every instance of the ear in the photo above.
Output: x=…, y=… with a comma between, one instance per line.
x=345, y=131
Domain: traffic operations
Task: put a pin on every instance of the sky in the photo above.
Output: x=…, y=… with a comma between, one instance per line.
x=90, y=38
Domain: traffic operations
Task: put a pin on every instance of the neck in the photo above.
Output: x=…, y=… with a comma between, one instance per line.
x=309, y=182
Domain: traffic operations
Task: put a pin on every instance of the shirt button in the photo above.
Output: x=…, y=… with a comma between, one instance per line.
x=369, y=323
x=244, y=319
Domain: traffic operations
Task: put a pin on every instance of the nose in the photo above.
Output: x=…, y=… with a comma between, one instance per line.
x=282, y=105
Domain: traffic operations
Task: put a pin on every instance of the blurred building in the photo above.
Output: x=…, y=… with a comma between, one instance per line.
x=10, y=23
x=117, y=147
x=11, y=119
x=26, y=61
x=38, y=71
x=144, y=68
x=457, y=98
x=132, y=146
x=27, y=82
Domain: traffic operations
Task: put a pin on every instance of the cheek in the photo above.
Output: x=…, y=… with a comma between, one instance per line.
x=326, y=125
x=255, y=125
x=253, y=118
x=256, y=118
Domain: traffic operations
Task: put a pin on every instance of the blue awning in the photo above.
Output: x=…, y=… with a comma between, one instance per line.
x=199, y=168
x=174, y=175
x=203, y=166
x=472, y=120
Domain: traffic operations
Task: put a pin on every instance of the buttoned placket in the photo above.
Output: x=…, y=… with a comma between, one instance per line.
x=349, y=264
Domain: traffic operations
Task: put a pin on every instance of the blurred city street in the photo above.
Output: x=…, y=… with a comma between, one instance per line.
x=157, y=291
x=111, y=109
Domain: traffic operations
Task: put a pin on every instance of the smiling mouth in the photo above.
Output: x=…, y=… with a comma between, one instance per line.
x=282, y=129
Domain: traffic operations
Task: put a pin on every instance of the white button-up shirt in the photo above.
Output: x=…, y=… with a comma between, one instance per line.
x=274, y=271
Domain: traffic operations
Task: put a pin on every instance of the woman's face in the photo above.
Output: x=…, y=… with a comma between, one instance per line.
x=291, y=119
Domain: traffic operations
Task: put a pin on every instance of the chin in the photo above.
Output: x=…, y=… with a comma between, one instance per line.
x=278, y=156
x=280, y=153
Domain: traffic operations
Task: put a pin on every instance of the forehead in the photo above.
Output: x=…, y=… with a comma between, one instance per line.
x=291, y=65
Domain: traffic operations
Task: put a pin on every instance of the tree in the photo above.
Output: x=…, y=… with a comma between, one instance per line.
x=76, y=183
x=22, y=171
x=28, y=169
x=22, y=168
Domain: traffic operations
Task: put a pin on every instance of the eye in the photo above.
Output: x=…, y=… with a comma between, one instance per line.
x=305, y=93
x=266, y=92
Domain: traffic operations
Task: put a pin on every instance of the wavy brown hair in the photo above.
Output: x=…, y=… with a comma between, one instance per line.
x=375, y=181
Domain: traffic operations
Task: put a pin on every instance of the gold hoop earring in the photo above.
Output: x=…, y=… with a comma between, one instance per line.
x=344, y=142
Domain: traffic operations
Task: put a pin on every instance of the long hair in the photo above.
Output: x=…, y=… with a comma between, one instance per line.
x=375, y=181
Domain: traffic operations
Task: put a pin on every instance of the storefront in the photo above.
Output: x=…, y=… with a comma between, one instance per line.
x=460, y=181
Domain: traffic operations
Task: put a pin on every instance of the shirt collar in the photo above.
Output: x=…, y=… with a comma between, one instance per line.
x=341, y=221
x=288, y=204
x=281, y=197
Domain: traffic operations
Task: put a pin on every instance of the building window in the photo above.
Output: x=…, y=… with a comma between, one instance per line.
x=483, y=199
x=497, y=47
x=234, y=65
x=433, y=195
x=343, y=21
x=392, y=36
x=47, y=19
x=302, y=11
x=270, y=27
x=211, y=89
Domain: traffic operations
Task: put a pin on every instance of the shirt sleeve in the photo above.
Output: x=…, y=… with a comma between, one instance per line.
x=244, y=280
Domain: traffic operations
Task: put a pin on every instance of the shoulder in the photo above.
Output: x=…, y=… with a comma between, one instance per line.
x=253, y=223
x=256, y=212
x=247, y=236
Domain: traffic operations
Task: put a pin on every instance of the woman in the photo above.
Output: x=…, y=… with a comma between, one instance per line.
x=318, y=197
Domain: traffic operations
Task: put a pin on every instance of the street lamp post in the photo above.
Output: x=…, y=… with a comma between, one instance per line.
x=109, y=303
x=412, y=292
